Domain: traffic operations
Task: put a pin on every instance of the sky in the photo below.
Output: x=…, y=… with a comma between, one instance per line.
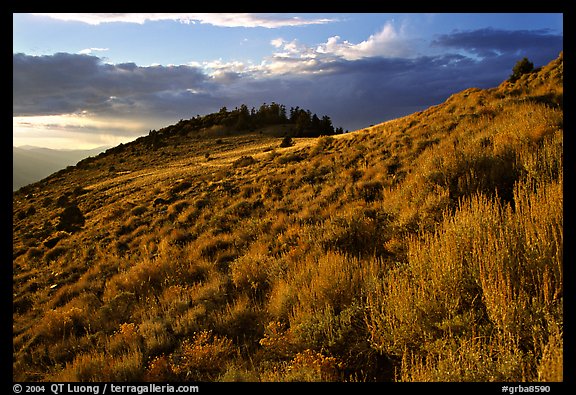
x=82, y=81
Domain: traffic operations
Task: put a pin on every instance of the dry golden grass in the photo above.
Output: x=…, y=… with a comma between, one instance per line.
x=427, y=248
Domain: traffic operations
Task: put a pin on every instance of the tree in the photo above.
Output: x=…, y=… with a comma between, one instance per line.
x=243, y=120
x=326, y=126
x=523, y=66
x=294, y=113
x=283, y=117
x=315, y=124
x=303, y=121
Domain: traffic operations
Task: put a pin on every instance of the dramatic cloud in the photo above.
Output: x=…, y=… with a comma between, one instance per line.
x=387, y=43
x=356, y=84
x=70, y=83
x=225, y=20
x=493, y=42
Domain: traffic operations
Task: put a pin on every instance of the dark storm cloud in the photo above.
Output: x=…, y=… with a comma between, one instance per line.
x=491, y=42
x=375, y=89
x=371, y=90
x=66, y=83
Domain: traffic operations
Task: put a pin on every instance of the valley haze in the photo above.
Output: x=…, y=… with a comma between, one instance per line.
x=31, y=164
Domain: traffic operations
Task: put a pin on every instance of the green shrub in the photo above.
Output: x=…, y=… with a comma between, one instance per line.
x=523, y=66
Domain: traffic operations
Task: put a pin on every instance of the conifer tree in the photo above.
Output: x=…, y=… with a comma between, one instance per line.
x=523, y=66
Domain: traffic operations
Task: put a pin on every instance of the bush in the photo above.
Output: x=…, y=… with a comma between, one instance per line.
x=523, y=66
x=290, y=157
x=202, y=358
x=244, y=161
x=287, y=142
x=308, y=366
x=251, y=271
x=54, y=239
x=71, y=219
x=159, y=370
x=61, y=323
x=54, y=253
x=370, y=190
x=323, y=144
x=62, y=201
x=487, y=281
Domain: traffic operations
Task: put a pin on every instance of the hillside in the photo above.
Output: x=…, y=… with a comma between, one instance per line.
x=31, y=164
x=427, y=248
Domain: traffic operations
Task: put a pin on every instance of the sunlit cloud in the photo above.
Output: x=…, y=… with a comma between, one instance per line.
x=388, y=42
x=220, y=66
x=216, y=19
x=295, y=57
x=89, y=51
x=277, y=42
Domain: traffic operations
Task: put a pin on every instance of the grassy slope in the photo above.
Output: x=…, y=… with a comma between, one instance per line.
x=397, y=252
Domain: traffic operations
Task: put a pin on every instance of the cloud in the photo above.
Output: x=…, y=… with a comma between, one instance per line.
x=491, y=42
x=88, y=51
x=277, y=42
x=71, y=83
x=217, y=19
x=355, y=84
x=294, y=57
x=388, y=42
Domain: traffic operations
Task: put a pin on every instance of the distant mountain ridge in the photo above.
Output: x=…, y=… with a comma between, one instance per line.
x=31, y=164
